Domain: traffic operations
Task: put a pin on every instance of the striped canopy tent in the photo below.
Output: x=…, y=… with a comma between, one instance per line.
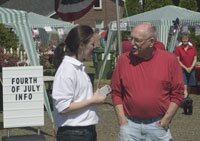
x=19, y=21
x=39, y=21
x=162, y=18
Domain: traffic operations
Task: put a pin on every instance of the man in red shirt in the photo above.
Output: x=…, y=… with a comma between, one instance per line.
x=157, y=44
x=187, y=57
x=126, y=45
x=147, y=88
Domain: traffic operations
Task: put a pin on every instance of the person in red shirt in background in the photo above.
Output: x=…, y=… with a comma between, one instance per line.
x=147, y=88
x=157, y=44
x=126, y=45
x=187, y=57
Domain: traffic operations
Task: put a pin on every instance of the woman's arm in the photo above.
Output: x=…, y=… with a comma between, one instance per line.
x=183, y=66
x=95, y=99
x=194, y=62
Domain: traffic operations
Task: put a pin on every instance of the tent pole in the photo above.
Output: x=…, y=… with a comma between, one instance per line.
x=118, y=26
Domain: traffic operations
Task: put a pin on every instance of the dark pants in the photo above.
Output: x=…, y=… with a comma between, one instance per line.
x=189, y=78
x=78, y=133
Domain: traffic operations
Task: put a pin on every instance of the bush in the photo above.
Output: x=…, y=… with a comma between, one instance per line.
x=8, y=39
x=7, y=60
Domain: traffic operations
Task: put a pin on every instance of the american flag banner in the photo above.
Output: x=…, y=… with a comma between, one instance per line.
x=70, y=10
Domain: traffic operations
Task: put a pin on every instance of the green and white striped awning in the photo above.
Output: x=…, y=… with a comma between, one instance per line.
x=39, y=21
x=19, y=20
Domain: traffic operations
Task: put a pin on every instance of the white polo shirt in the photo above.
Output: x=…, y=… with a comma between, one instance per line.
x=72, y=84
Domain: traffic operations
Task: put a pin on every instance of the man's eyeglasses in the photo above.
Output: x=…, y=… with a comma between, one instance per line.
x=133, y=39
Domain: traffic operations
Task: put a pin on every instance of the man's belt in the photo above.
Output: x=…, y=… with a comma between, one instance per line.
x=144, y=121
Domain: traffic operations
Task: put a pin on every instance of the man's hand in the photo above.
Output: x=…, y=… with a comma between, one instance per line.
x=123, y=120
x=164, y=123
x=120, y=114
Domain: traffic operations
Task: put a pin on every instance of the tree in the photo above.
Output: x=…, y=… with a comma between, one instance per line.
x=138, y=6
x=191, y=4
x=198, y=5
x=176, y=2
x=153, y=4
x=133, y=7
x=8, y=39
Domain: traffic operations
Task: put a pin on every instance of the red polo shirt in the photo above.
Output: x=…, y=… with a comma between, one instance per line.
x=146, y=88
x=186, y=56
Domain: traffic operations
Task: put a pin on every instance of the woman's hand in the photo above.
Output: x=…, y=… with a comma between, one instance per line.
x=189, y=70
x=98, y=97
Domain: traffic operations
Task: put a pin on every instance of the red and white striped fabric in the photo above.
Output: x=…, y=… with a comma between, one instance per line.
x=70, y=10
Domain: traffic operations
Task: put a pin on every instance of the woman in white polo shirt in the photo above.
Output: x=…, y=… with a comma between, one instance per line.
x=74, y=100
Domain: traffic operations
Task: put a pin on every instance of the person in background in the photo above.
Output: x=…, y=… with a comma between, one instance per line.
x=158, y=44
x=104, y=36
x=187, y=57
x=97, y=37
x=126, y=45
x=97, y=44
x=147, y=89
x=58, y=52
x=73, y=97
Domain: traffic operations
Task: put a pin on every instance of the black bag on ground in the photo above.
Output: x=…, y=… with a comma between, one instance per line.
x=187, y=106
